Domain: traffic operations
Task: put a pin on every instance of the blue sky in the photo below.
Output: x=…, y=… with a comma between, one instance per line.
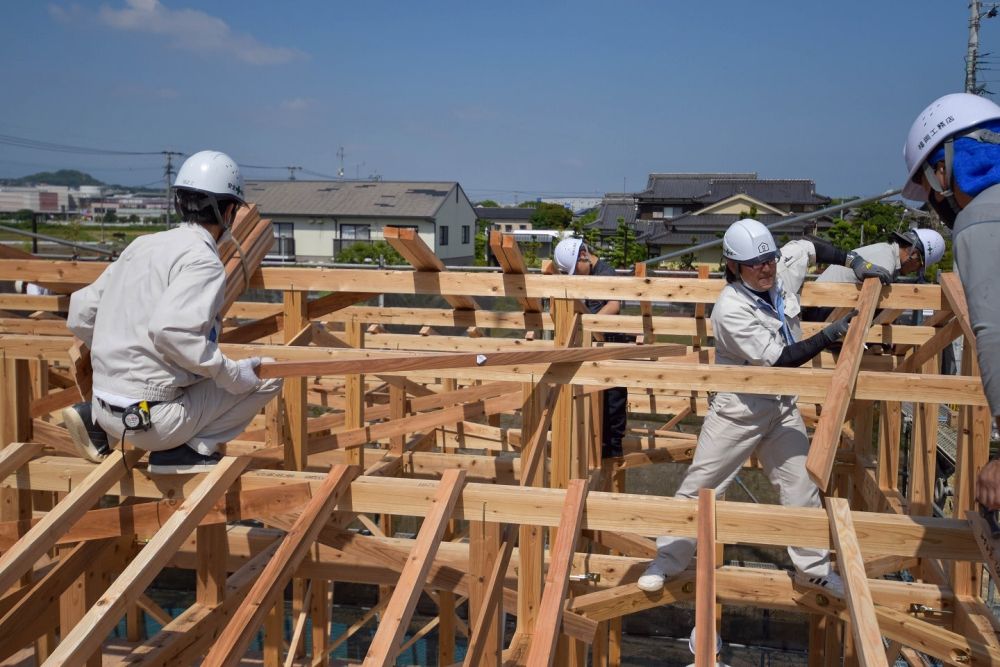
x=514, y=100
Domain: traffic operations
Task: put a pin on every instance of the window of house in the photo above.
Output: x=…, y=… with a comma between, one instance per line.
x=283, y=230
x=508, y=228
x=356, y=232
x=466, y=233
x=443, y=236
x=522, y=226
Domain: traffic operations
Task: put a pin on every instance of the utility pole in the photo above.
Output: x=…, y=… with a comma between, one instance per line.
x=340, y=154
x=168, y=174
x=973, y=53
x=291, y=172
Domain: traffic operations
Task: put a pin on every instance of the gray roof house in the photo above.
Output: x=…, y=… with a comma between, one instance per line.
x=315, y=220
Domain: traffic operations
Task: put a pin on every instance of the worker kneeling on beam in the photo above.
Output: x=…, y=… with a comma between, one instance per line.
x=152, y=322
x=756, y=323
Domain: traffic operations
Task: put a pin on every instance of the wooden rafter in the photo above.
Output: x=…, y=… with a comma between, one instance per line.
x=234, y=640
x=826, y=438
x=385, y=644
x=408, y=243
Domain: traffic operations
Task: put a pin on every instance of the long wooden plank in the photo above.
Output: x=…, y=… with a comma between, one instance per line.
x=42, y=536
x=705, y=600
x=737, y=523
x=954, y=294
x=508, y=254
x=550, y=611
x=679, y=290
x=826, y=437
x=492, y=600
x=864, y=625
x=397, y=364
x=240, y=631
x=87, y=636
x=385, y=644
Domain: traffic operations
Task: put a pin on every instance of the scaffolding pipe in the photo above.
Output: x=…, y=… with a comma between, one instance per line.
x=781, y=223
x=53, y=239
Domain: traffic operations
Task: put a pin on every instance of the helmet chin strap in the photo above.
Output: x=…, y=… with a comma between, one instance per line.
x=949, y=208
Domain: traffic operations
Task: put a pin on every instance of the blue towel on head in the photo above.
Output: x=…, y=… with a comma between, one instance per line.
x=977, y=164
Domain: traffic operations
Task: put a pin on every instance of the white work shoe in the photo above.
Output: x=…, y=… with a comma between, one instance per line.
x=832, y=582
x=652, y=579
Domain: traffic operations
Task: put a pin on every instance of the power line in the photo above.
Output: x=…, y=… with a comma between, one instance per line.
x=34, y=144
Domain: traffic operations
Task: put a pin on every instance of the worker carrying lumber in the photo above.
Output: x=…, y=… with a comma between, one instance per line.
x=952, y=156
x=152, y=323
x=756, y=322
x=904, y=253
x=573, y=257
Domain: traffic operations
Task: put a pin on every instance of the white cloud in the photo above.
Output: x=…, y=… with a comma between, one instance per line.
x=192, y=30
x=68, y=14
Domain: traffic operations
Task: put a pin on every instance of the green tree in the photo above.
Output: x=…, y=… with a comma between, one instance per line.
x=871, y=223
x=109, y=216
x=752, y=213
x=583, y=227
x=551, y=216
x=624, y=250
x=368, y=253
x=24, y=215
x=487, y=203
x=482, y=240
x=133, y=218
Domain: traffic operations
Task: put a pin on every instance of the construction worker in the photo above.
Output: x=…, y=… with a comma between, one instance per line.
x=909, y=252
x=152, y=324
x=574, y=258
x=755, y=322
x=904, y=253
x=952, y=156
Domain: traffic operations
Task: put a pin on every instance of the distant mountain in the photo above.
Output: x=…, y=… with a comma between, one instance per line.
x=69, y=177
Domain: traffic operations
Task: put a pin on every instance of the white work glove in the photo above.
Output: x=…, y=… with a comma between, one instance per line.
x=247, y=379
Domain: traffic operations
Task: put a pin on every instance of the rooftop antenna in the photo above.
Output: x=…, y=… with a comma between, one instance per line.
x=340, y=154
x=291, y=172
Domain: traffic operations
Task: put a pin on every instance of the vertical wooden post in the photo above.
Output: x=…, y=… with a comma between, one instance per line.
x=484, y=548
x=295, y=318
x=923, y=453
x=531, y=537
x=890, y=421
x=213, y=552
x=562, y=421
x=705, y=601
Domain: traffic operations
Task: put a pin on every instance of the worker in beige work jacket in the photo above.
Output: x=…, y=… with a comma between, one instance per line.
x=756, y=323
x=152, y=323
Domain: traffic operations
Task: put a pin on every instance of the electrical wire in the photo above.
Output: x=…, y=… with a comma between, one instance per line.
x=21, y=142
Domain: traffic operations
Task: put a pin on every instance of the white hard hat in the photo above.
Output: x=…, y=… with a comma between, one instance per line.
x=927, y=241
x=211, y=172
x=566, y=253
x=747, y=241
x=718, y=642
x=943, y=118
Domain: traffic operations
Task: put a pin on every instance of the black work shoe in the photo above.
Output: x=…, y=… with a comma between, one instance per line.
x=181, y=460
x=89, y=439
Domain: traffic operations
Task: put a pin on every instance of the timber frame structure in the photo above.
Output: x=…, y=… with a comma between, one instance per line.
x=518, y=516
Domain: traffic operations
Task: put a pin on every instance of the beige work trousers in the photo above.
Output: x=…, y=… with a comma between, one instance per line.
x=203, y=417
x=738, y=425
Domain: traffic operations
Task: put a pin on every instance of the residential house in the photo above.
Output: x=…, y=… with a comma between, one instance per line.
x=677, y=211
x=315, y=220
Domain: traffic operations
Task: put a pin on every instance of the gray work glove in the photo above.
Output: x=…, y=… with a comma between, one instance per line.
x=864, y=269
x=838, y=328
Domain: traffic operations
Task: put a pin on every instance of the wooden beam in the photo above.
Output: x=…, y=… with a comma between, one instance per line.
x=505, y=248
x=705, y=600
x=15, y=455
x=550, y=611
x=826, y=437
x=19, y=559
x=408, y=243
x=396, y=364
x=737, y=523
x=864, y=626
x=235, y=639
x=90, y=632
x=385, y=644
